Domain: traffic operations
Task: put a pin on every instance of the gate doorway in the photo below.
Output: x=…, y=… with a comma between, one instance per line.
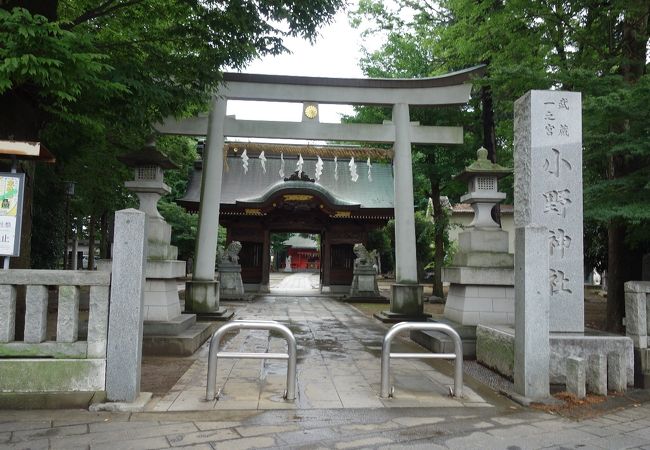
x=295, y=263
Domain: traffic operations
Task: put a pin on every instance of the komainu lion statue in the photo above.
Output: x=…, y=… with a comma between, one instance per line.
x=231, y=254
x=364, y=257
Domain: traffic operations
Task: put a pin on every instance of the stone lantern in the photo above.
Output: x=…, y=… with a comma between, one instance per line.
x=482, y=192
x=481, y=278
x=148, y=179
x=166, y=330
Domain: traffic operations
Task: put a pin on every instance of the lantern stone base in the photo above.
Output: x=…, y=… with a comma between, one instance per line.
x=481, y=280
x=161, y=302
x=179, y=337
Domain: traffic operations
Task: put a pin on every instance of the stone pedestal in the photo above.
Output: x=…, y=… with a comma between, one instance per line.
x=405, y=304
x=481, y=280
x=495, y=348
x=364, y=284
x=202, y=299
x=231, y=286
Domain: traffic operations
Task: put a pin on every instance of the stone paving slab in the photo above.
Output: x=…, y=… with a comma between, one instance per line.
x=338, y=366
x=500, y=427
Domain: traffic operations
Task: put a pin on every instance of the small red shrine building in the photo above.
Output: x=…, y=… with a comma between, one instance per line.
x=304, y=253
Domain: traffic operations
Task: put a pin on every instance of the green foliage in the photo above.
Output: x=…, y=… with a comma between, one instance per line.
x=599, y=49
x=381, y=240
x=384, y=241
x=184, y=226
x=92, y=78
x=61, y=65
x=277, y=241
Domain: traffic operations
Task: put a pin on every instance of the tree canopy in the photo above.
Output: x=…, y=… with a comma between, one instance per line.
x=88, y=79
x=597, y=48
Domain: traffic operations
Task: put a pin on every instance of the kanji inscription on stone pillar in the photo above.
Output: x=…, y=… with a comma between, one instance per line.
x=548, y=192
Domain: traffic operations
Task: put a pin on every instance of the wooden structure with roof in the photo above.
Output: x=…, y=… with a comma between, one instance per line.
x=202, y=292
x=260, y=202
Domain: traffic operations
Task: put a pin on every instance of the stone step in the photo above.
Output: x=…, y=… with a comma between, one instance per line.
x=439, y=342
x=169, y=327
x=182, y=344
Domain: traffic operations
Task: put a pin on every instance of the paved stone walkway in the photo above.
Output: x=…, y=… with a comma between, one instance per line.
x=338, y=364
x=290, y=282
x=382, y=428
x=338, y=353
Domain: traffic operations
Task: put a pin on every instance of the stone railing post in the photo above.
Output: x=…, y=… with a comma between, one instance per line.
x=636, y=312
x=124, y=353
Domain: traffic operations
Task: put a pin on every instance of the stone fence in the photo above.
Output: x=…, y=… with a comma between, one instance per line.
x=75, y=360
x=636, y=312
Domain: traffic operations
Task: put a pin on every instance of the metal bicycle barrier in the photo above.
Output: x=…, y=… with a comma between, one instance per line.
x=270, y=325
x=386, y=355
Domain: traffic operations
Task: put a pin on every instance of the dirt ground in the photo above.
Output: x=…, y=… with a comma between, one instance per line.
x=160, y=374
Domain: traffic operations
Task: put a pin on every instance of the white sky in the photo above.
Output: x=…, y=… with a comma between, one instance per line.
x=336, y=53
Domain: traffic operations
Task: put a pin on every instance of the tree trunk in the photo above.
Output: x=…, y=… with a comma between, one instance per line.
x=440, y=227
x=619, y=263
x=91, y=242
x=487, y=116
x=615, y=294
x=490, y=137
x=103, y=235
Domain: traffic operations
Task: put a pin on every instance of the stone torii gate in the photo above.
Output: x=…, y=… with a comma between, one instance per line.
x=202, y=293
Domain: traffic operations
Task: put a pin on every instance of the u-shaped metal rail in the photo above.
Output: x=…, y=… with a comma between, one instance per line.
x=386, y=355
x=269, y=325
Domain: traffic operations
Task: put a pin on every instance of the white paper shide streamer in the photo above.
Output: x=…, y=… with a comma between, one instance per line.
x=299, y=165
x=354, y=176
x=319, y=168
x=336, y=169
x=244, y=161
x=281, y=172
x=263, y=161
x=369, y=170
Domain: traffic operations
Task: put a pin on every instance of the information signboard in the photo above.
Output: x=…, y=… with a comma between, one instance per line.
x=11, y=212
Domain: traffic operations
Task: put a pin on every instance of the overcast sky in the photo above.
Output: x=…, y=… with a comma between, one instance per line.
x=336, y=53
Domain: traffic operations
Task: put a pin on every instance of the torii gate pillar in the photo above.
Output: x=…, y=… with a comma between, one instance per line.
x=406, y=299
x=202, y=292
